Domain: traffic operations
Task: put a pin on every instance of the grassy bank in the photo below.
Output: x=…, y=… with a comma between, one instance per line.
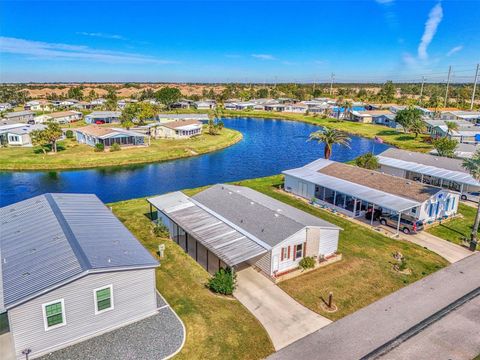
x=390, y=136
x=457, y=229
x=365, y=273
x=74, y=156
x=217, y=327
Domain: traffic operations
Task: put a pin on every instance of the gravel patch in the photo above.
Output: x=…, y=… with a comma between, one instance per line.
x=155, y=337
x=160, y=301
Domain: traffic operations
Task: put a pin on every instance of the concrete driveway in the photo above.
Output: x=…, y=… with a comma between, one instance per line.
x=284, y=319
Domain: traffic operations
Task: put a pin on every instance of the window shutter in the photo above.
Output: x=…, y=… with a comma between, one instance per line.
x=294, y=252
x=281, y=256
x=304, y=249
x=288, y=252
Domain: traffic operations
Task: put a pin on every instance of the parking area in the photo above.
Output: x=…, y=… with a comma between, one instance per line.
x=284, y=319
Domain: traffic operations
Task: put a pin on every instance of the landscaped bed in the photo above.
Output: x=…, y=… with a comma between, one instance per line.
x=217, y=327
x=72, y=155
x=456, y=229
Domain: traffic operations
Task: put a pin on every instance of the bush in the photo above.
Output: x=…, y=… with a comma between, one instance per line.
x=160, y=230
x=115, y=147
x=99, y=147
x=69, y=134
x=403, y=264
x=223, y=282
x=307, y=263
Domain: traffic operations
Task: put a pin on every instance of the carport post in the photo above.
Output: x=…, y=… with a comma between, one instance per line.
x=398, y=222
x=354, y=207
x=373, y=212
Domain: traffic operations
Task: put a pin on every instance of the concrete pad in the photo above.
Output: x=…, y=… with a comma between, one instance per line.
x=449, y=251
x=6, y=347
x=456, y=336
x=284, y=319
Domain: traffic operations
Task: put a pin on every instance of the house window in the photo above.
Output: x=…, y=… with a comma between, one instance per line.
x=103, y=299
x=53, y=314
x=298, y=251
x=285, y=255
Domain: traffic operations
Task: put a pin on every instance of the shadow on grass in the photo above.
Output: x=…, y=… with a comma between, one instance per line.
x=48, y=148
x=452, y=230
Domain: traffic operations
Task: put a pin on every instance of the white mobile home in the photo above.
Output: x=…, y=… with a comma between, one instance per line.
x=70, y=271
x=18, y=134
x=354, y=191
x=235, y=226
x=179, y=129
x=428, y=169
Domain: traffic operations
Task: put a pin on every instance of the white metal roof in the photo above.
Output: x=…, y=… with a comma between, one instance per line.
x=227, y=241
x=451, y=175
x=385, y=200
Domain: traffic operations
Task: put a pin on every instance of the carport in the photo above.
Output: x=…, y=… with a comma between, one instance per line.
x=207, y=237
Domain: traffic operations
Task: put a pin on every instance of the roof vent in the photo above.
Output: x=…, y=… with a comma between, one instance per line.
x=230, y=193
x=116, y=242
x=263, y=230
x=109, y=260
x=32, y=250
x=276, y=215
x=241, y=221
x=252, y=203
x=25, y=274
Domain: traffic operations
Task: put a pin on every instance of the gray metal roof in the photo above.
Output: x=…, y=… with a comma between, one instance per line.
x=310, y=174
x=200, y=117
x=102, y=114
x=268, y=219
x=441, y=167
x=230, y=243
x=18, y=113
x=52, y=239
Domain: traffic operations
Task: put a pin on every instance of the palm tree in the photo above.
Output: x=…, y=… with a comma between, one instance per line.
x=473, y=167
x=347, y=107
x=330, y=137
x=451, y=127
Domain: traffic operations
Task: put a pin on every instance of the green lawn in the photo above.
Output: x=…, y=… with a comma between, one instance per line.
x=74, y=156
x=456, y=229
x=217, y=327
x=390, y=136
x=365, y=273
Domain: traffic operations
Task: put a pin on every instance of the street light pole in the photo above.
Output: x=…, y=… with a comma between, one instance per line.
x=448, y=83
x=474, y=87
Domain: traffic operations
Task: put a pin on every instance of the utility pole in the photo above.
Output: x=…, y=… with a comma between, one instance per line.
x=474, y=87
x=448, y=83
x=332, y=79
x=421, y=89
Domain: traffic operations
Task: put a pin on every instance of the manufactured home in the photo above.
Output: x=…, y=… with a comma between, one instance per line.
x=429, y=169
x=235, y=226
x=354, y=191
x=18, y=134
x=70, y=271
x=94, y=134
x=103, y=117
x=179, y=129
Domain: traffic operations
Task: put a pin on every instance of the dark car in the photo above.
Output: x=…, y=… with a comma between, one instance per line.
x=407, y=224
x=376, y=214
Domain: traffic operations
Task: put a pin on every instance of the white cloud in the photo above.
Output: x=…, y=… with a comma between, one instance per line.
x=263, y=56
x=52, y=51
x=102, y=35
x=455, y=50
x=434, y=18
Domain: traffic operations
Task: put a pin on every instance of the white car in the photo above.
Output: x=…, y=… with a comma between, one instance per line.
x=472, y=196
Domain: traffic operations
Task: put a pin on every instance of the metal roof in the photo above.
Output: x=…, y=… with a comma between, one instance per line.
x=441, y=167
x=310, y=174
x=52, y=239
x=268, y=219
x=228, y=242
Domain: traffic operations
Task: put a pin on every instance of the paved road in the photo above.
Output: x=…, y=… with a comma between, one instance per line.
x=364, y=331
x=456, y=336
x=284, y=319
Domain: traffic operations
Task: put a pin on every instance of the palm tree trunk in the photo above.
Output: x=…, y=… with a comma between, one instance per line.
x=473, y=235
x=327, y=152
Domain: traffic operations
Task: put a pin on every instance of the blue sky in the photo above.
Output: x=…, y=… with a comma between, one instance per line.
x=263, y=41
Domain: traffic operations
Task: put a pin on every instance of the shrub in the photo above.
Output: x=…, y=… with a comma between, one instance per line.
x=115, y=147
x=223, y=282
x=99, y=147
x=160, y=230
x=69, y=134
x=307, y=263
x=403, y=264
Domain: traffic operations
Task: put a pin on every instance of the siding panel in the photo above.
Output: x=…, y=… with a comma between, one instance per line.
x=134, y=298
x=328, y=241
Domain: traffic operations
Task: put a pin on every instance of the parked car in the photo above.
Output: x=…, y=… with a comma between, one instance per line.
x=407, y=224
x=376, y=214
x=472, y=196
x=99, y=122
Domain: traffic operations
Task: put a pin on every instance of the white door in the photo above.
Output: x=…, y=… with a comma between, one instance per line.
x=275, y=263
x=303, y=189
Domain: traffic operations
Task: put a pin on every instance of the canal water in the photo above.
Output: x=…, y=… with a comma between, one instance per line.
x=268, y=147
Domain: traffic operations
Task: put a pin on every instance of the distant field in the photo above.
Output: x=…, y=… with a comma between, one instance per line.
x=76, y=156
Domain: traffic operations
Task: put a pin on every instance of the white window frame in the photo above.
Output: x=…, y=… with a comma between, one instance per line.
x=95, y=304
x=64, y=315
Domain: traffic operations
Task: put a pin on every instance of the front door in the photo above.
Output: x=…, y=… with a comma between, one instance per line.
x=303, y=189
